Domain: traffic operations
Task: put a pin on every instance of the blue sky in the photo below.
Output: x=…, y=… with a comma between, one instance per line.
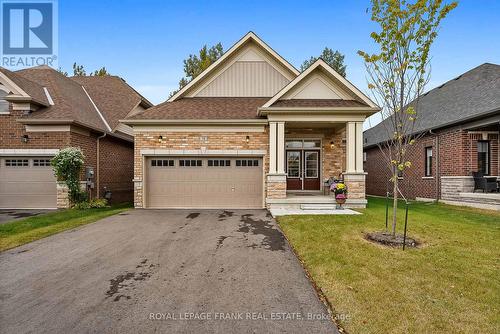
x=145, y=42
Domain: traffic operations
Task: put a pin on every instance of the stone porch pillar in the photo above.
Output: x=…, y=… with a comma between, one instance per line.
x=276, y=178
x=354, y=176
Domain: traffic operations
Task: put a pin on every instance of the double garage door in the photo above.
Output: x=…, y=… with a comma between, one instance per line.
x=27, y=183
x=200, y=182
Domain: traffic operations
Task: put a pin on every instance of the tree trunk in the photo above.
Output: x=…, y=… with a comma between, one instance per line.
x=395, y=205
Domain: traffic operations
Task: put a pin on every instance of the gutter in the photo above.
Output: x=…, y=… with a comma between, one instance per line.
x=194, y=121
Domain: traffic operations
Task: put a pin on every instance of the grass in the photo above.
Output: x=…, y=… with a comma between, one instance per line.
x=23, y=231
x=450, y=284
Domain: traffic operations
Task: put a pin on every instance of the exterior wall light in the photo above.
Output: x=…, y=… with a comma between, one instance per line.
x=160, y=139
x=247, y=139
x=25, y=138
x=332, y=145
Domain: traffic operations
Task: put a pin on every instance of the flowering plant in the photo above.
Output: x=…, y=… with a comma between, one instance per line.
x=340, y=196
x=339, y=188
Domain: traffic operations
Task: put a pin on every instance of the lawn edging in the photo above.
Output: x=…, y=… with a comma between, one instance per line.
x=21, y=232
x=319, y=292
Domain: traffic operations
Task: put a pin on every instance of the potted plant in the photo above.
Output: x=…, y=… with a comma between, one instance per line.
x=340, y=193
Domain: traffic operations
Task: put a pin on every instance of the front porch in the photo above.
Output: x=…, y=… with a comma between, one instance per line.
x=303, y=156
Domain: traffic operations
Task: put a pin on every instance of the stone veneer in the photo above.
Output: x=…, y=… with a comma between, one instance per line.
x=333, y=159
x=452, y=186
x=192, y=141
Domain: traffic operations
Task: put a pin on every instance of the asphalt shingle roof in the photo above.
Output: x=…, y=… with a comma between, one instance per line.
x=205, y=108
x=472, y=94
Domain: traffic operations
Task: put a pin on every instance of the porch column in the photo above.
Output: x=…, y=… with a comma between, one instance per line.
x=276, y=178
x=354, y=176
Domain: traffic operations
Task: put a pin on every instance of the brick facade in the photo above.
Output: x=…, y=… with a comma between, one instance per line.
x=116, y=154
x=332, y=159
x=193, y=141
x=454, y=155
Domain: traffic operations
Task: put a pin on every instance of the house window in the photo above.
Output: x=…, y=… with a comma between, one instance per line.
x=16, y=162
x=219, y=163
x=190, y=163
x=483, y=157
x=247, y=163
x=428, y=161
x=162, y=163
x=41, y=162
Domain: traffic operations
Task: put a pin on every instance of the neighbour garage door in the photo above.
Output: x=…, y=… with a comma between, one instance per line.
x=27, y=183
x=197, y=182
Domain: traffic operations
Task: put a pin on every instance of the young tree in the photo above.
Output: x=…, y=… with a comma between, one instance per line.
x=195, y=64
x=333, y=58
x=399, y=71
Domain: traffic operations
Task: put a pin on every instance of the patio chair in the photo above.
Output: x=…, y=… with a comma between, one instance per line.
x=486, y=184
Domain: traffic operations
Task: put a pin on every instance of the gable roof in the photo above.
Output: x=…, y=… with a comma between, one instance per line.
x=114, y=98
x=471, y=95
x=26, y=86
x=320, y=64
x=249, y=37
x=71, y=102
x=204, y=108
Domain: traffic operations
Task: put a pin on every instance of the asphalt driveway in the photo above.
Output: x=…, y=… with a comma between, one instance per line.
x=175, y=271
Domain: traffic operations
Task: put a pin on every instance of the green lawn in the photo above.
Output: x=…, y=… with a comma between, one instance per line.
x=20, y=232
x=450, y=284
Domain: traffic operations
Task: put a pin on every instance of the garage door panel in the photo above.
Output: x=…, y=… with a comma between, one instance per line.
x=27, y=186
x=204, y=187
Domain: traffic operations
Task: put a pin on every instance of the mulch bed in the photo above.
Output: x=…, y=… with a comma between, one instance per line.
x=385, y=238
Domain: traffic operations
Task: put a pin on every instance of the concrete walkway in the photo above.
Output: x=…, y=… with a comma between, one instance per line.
x=165, y=271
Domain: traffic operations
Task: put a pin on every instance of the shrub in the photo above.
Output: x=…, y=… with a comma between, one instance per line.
x=93, y=204
x=67, y=165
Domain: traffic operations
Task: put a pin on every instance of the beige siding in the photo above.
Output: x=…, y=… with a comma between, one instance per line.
x=246, y=78
x=318, y=86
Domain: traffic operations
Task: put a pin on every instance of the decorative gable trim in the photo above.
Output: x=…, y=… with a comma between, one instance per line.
x=320, y=63
x=236, y=47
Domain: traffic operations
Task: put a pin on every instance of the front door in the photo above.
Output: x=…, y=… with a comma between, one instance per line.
x=302, y=168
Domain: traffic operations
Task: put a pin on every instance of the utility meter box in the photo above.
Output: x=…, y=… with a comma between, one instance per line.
x=89, y=172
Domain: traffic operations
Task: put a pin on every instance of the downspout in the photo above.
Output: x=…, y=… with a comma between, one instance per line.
x=98, y=164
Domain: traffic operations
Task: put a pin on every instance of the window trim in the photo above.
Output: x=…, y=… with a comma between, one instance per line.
x=488, y=156
x=427, y=167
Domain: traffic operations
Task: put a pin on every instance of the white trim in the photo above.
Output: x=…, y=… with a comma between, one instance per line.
x=7, y=82
x=203, y=152
x=47, y=128
x=27, y=151
x=331, y=71
x=199, y=128
x=97, y=109
x=195, y=121
x=49, y=98
x=226, y=55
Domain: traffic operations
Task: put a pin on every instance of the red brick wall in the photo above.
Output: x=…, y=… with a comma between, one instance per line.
x=12, y=131
x=457, y=154
x=116, y=168
x=117, y=156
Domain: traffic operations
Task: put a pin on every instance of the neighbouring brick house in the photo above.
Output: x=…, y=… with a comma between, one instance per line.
x=250, y=132
x=43, y=111
x=459, y=122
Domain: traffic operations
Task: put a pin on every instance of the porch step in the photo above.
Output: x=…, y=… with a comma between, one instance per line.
x=317, y=206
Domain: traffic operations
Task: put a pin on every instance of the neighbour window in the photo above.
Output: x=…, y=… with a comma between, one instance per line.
x=16, y=162
x=219, y=163
x=162, y=163
x=190, y=163
x=428, y=161
x=4, y=105
x=483, y=157
x=41, y=162
x=247, y=163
